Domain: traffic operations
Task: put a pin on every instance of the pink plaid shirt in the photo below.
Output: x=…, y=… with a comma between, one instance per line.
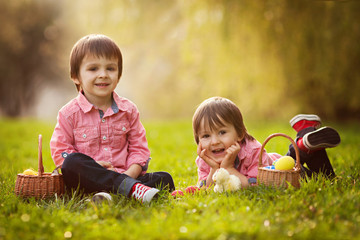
x=248, y=156
x=117, y=137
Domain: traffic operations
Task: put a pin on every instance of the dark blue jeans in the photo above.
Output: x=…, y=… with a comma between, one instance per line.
x=81, y=171
x=316, y=162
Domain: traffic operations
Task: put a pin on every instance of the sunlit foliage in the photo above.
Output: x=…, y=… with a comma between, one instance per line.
x=28, y=52
x=274, y=58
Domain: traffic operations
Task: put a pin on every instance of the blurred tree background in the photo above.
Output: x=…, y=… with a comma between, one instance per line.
x=273, y=58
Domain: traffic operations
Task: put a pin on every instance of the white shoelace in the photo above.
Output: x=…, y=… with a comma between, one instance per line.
x=139, y=191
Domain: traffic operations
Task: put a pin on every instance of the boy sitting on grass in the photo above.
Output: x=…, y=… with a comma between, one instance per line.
x=99, y=139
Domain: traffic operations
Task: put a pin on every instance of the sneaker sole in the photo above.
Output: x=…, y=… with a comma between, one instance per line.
x=100, y=197
x=309, y=117
x=322, y=138
x=149, y=195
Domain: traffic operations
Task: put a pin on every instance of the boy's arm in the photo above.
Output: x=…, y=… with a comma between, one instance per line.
x=228, y=164
x=252, y=169
x=206, y=166
x=134, y=171
x=209, y=180
x=139, y=153
x=244, y=180
x=203, y=171
x=62, y=140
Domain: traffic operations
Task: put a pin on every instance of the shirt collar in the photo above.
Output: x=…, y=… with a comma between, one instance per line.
x=114, y=107
x=86, y=106
x=119, y=103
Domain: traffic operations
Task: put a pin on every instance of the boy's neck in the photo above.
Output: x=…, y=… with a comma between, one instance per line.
x=100, y=103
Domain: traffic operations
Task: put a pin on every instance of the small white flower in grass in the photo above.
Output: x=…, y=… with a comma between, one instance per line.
x=183, y=229
x=25, y=217
x=267, y=223
x=67, y=234
x=247, y=208
x=202, y=204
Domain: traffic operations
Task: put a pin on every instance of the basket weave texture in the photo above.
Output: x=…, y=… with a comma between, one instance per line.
x=42, y=186
x=279, y=178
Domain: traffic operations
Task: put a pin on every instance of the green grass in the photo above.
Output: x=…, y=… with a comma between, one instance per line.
x=320, y=209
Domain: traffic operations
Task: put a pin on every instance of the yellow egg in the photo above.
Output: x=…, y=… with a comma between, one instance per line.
x=285, y=163
x=30, y=172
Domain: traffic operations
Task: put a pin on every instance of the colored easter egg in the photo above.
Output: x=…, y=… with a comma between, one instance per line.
x=191, y=189
x=30, y=172
x=270, y=167
x=285, y=163
x=177, y=193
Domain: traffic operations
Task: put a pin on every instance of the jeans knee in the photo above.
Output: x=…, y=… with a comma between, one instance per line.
x=167, y=180
x=73, y=161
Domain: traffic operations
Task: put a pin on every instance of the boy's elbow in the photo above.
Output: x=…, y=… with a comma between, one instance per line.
x=244, y=184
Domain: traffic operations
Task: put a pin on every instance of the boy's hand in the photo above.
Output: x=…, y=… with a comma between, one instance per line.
x=106, y=165
x=133, y=171
x=230, y=156
x=209, y=161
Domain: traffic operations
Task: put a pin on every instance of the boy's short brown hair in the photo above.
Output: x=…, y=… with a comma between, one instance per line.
x=97, y=45
x=214, y=112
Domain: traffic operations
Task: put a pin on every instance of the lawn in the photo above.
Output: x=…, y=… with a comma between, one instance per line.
x=320, y=209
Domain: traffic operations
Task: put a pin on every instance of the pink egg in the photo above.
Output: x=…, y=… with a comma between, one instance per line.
x=177, y=193
x=191, y=189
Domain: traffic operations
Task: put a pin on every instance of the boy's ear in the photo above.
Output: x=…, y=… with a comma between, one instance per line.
x=240, y=138
x=76, y=81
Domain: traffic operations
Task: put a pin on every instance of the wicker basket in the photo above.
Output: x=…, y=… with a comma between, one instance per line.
x=279, y=178
x=42, y=186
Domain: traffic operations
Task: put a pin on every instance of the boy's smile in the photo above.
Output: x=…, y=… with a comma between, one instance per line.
x=102, y=85
x=98, y=78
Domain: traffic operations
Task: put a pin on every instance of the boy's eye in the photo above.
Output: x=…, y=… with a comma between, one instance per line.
x=205, y=136
x=222, y=132
x=93, y=69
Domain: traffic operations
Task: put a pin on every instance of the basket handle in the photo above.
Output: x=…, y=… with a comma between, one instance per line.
x=41, y=167
x=297, y=166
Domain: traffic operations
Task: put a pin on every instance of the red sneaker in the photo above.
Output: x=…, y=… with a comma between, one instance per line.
x=143, y=193
x=325, y=137
x=302, y=121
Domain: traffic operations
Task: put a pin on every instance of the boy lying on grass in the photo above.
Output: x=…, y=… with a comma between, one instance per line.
x=223, y=142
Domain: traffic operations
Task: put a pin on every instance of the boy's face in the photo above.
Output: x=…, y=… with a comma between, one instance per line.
x=217, y=140
x=98, y=77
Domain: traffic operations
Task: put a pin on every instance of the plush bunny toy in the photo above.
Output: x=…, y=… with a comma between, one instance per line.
x=225, y=182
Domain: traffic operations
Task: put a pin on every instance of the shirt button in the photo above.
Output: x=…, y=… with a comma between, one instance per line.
x=103, y=120
x=124, y=129
x=104, y=137
x=105, y=149
x=84, y=135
